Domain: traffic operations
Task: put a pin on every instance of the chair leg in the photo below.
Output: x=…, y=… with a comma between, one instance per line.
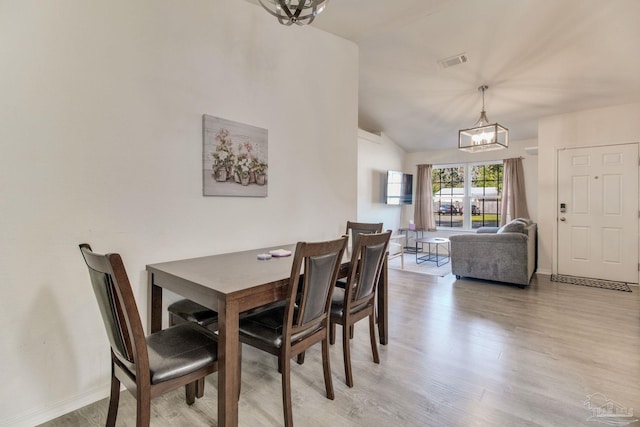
x=332, y=333
x=346, y=352
x=372, y=335
x=326, y=365
x=143, y=410
x=239, y=368
x=199, y=388
x=114, y=398
x=286, y=391
x=301, y=358
x=351, y=329
x=190, y=392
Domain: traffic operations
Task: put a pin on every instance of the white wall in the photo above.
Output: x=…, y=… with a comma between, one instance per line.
x=455, y=156
x=101, y=142
x=376, y=155
x=606, y=126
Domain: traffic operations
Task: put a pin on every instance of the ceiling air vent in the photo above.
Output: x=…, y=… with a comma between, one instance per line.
x=453, y=60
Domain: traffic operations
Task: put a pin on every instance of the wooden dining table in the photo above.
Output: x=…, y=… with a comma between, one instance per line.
x=231, y=283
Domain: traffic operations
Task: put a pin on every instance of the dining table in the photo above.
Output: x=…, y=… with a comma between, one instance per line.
x=231, y=283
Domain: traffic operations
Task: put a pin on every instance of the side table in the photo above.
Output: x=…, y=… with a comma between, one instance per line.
x=405, y=231
x=439, y=259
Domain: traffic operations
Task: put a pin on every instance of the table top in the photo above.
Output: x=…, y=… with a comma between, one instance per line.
x=432, y=240
x=230, y=274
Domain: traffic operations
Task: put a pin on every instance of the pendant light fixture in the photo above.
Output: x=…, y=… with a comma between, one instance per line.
x=299, y=12
x=483, y=136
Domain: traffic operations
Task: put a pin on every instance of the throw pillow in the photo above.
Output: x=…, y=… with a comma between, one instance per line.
x=514, y=226
x=527, y=221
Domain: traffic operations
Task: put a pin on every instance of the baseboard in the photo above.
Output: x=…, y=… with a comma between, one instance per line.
x=42, y=415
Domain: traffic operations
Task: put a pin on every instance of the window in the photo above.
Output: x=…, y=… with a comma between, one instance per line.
x=467, y=196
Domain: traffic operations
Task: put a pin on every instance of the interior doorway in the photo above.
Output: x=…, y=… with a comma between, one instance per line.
x=597, y=212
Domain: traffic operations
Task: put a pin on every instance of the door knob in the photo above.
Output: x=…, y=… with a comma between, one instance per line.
x=563, y=219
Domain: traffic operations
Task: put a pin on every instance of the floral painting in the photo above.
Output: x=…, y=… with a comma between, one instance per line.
x=234, y=158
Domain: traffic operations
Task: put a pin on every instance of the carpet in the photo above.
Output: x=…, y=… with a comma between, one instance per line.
x=594, y=283
x=428, y=267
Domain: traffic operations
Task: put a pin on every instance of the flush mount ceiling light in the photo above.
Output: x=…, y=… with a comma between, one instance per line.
x=483, y=136
x=299, y=12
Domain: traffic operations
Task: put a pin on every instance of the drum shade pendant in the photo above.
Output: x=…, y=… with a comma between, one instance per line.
x=483, y=136
x=299, y=12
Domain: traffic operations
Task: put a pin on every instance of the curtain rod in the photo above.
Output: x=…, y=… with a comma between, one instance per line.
x=464, y=163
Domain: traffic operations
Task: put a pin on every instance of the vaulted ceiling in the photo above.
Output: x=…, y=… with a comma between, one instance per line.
x=538, y=57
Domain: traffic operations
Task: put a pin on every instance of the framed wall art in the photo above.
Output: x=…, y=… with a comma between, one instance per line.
x=234, y=158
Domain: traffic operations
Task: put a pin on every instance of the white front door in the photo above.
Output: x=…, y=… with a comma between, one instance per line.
x=598, y=212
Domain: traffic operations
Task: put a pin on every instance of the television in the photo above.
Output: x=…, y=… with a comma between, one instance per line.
x=399, y=188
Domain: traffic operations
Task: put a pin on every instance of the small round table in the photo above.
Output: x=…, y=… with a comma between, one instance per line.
x=430, y=256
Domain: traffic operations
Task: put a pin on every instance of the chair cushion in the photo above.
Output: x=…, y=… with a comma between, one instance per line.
x=265, y=327
x=337, y=303
x=180, y=350
x=193, y=312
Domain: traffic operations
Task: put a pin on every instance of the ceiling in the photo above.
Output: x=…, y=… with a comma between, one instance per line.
x=538, y=57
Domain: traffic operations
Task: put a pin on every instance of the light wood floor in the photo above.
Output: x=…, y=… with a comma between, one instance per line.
x=461, y=353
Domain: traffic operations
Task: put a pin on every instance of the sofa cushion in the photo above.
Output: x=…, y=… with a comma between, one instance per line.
x=487, y=229
x=515, y=226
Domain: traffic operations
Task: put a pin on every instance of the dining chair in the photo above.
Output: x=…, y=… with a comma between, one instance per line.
x=148, y=366
x=289, y=330
x=356, y=300
x=355, y=229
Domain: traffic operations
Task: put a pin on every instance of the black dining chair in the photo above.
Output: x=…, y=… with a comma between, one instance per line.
x=148, y=366
x=289, y=330
x=357, y=300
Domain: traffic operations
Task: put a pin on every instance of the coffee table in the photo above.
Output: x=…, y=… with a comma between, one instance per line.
x=439, y=259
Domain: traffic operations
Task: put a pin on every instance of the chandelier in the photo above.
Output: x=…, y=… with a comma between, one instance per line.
x=483, y=136
x=299, y=12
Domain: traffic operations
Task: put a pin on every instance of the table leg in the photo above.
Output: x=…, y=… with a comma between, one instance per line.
x=156, y=306
x=228, y=363
x=383, y=293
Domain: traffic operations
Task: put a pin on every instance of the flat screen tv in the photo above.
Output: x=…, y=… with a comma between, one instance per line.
x=399, y=189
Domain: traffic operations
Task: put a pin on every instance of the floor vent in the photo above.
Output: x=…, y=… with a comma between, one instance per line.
x=594, y=283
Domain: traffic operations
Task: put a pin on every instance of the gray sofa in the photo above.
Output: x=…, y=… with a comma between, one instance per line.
x=501, y=254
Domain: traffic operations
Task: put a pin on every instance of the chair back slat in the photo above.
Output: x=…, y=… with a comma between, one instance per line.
x=310, y=293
